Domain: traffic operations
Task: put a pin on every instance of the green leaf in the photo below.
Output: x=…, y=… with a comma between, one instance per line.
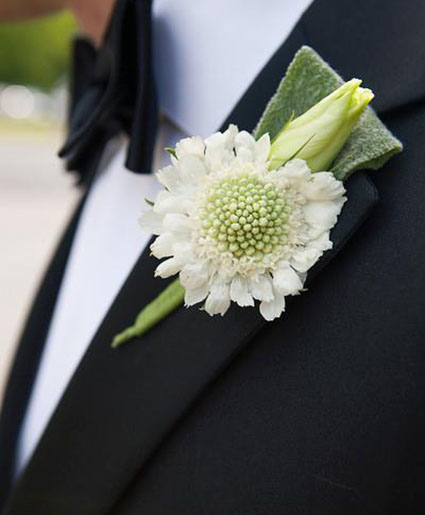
x=309, y=79
x=171, y=151
x=166, y=302
x=292, y=116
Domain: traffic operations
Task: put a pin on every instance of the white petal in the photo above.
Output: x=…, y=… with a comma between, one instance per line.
x=218, y=301
x=286, y=281
x=175, y=222
x=219, y=148
x=262, y=149
x=192, y=169
x=261, y=288
x=296, y=172
x=166, y=202
x=323, y=214
x=278, y=178
x=215, y=140
x=215, y=149
x=183, y=251
x=245, y=155
x=239, y=292
x=195, y=295
x=170, y=178
x=304, y=258
x=168, y=268
x=151, y=222
x=245, y=146
x=163, y=245
x=194, y=275
x=274, y=308
x=321, y=243
x=194, y=146
x=230, y=135
x=323, y=186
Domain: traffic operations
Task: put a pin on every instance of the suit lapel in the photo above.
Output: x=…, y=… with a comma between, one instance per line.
x=121, y=404
x=373, y=39
x=27, y=358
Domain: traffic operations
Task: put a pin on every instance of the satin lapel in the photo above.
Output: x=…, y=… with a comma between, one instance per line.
x=121, y=403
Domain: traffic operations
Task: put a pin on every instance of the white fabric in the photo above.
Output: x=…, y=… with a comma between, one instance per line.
x=107, y=244
x=206, y=55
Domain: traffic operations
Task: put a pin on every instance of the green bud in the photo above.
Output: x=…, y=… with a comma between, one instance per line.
x=318, y=135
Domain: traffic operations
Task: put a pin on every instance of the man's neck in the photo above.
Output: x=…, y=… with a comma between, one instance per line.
x=92, y=16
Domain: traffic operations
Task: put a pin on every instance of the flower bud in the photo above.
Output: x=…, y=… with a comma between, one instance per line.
x=318, y=135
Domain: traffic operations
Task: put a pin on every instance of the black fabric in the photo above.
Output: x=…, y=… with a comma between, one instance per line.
x=140, y=391
x=27, y=357
x=113, y=90
x=320, y=412
x=323, y=412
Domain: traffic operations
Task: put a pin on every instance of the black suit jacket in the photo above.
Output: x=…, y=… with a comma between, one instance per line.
x=321, y=412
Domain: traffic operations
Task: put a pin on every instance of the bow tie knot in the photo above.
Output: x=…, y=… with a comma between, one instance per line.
x=113, y=91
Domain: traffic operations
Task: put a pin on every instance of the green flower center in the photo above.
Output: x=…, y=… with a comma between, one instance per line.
x=246, y=216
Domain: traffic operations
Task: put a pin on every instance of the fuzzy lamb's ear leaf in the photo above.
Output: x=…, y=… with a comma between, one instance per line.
x=309, y=79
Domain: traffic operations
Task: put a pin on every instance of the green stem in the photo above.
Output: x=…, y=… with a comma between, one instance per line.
x=164, y=304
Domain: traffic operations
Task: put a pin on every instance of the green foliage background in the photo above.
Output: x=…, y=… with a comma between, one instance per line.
x=36, y=53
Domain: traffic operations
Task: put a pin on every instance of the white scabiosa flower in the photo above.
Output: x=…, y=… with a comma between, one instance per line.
x=236, y=231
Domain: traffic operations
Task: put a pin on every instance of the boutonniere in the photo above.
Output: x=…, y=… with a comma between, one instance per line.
x=242, y=218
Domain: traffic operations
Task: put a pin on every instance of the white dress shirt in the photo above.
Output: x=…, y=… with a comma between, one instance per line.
x=206, y=55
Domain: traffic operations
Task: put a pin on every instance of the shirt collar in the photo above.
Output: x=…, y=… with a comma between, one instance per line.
x=207, y=54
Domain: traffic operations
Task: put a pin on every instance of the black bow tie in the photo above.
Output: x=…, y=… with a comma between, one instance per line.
x=113, y=91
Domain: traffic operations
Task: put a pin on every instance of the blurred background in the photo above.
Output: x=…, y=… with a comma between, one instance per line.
x=36, y=195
